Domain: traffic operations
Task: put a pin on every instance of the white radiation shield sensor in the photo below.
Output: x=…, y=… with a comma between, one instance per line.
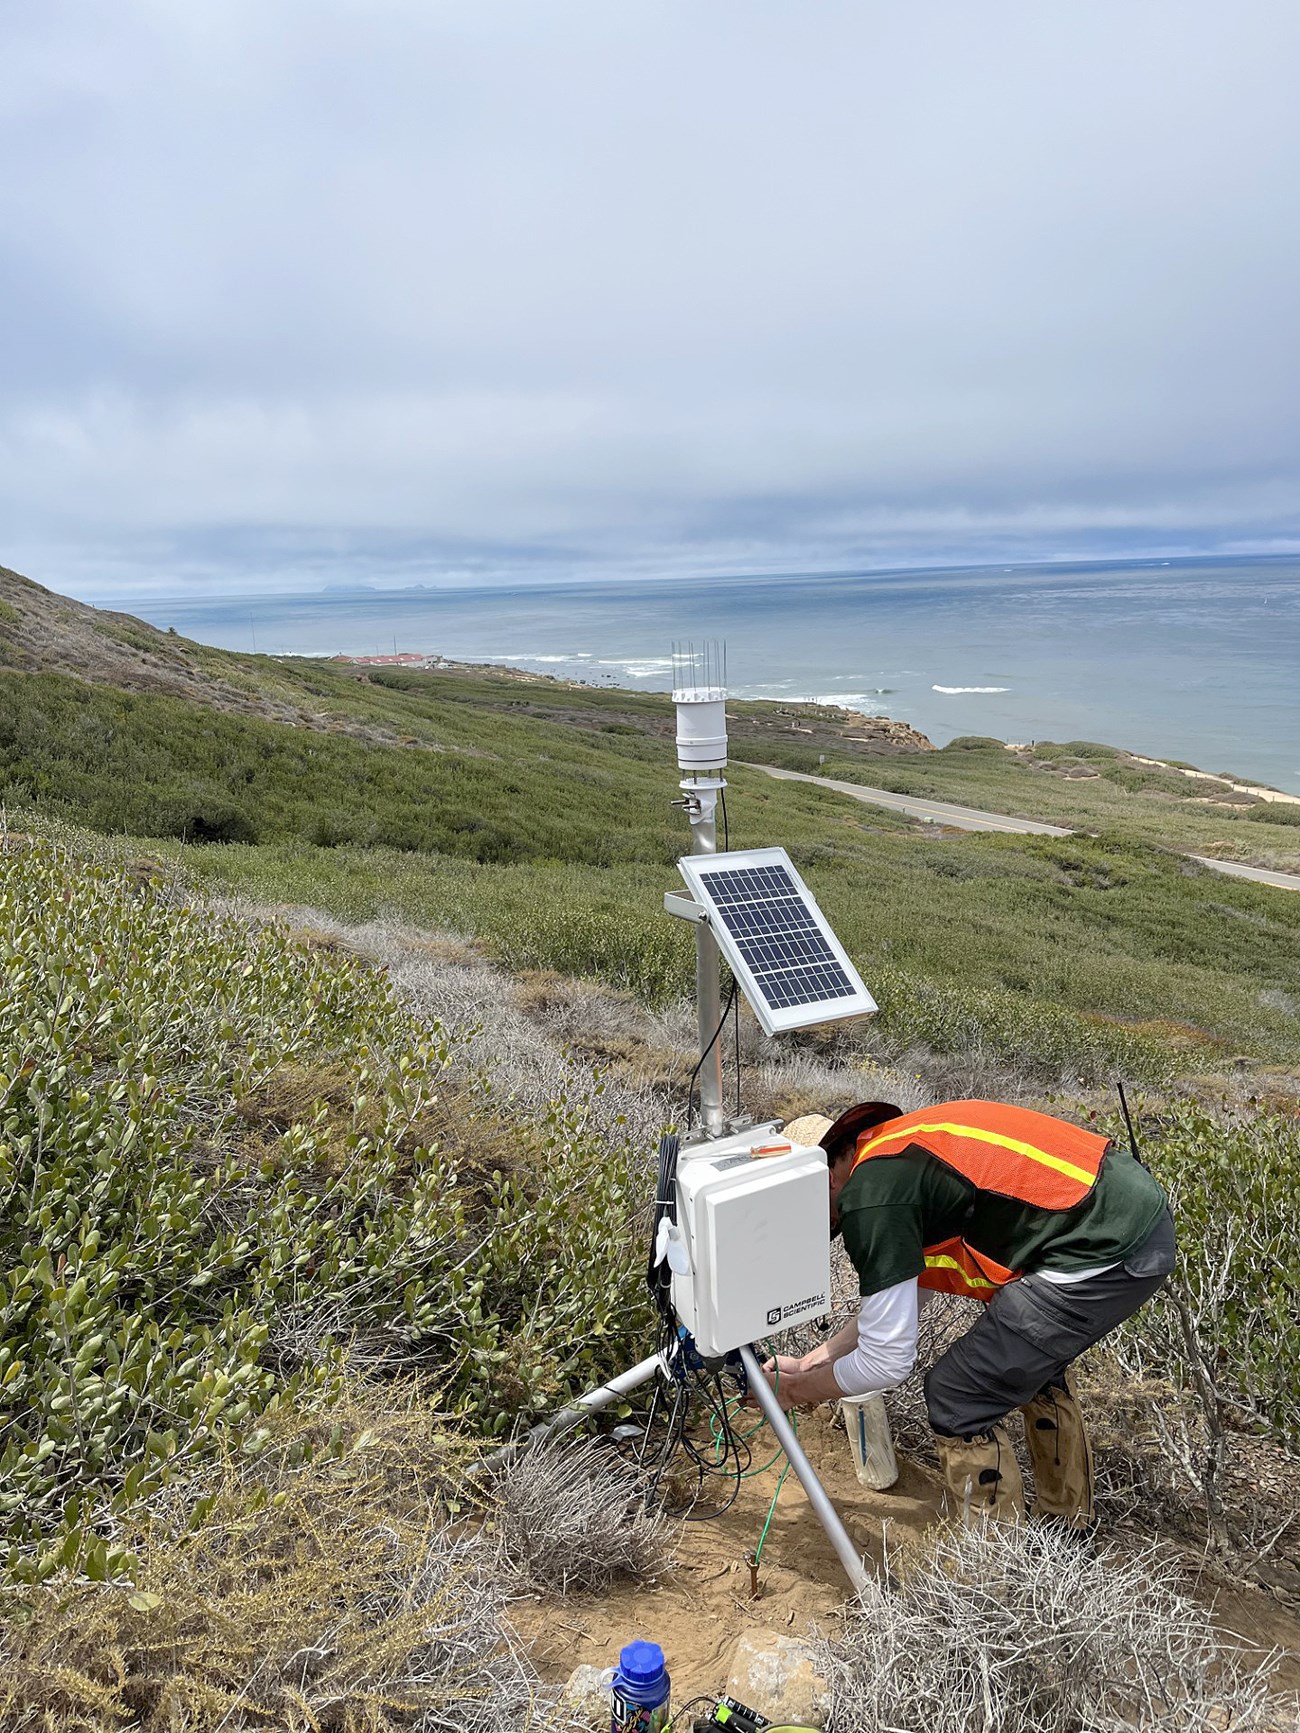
x=779, y=945
x=700, y=695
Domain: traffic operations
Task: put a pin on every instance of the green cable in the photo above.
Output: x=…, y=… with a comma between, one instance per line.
x=771, y=1512
x=771, y=1509
x=720, y=1449
x=749, y=1474
x=719, y=1445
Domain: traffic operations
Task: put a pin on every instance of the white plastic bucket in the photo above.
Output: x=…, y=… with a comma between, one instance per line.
x=870, y=1441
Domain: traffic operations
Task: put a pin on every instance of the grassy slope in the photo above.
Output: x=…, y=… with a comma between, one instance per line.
x=233, y=1161
x=1050, y=954
x=536, y=814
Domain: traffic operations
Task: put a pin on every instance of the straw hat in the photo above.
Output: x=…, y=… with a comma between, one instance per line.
x=809, y=1130
x=831, y=1134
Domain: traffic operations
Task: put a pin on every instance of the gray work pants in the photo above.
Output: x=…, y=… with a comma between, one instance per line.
x=1030, y=1332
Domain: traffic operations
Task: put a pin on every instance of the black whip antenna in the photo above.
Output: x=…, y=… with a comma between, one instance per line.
x=1128, y=1121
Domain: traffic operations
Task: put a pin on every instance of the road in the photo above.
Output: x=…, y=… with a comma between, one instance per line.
x=1260, y=875
x=936, y=811
x=971, y=818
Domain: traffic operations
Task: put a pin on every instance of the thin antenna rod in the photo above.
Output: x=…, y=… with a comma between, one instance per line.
x=1128, y=1120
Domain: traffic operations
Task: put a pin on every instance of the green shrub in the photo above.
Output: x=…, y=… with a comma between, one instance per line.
x=1234, y=1177
x=1218, y=1348
x=1275, y=812
x=1023, y=1033
x=204, y=817
x=222, y=1165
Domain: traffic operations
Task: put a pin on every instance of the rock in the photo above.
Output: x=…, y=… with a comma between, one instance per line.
x=588, y=1696
x=778, y=1676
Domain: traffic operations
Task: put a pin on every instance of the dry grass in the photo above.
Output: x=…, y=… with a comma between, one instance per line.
x=530, y=1062
x=1020, y=1630
x=544, y=1037
x=333, y=1594
x=572, y=1518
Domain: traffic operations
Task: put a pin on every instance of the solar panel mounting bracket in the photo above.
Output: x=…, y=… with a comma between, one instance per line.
x=685, y=907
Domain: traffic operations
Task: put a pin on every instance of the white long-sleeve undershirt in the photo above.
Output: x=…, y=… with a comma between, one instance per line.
x=886, y=1350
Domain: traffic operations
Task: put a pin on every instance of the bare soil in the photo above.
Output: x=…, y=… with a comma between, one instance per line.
x=700, y=1608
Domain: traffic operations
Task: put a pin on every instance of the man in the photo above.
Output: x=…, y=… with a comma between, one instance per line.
x=1059, y=1231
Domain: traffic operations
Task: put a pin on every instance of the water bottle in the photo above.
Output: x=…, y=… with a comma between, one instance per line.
x=641, y=1689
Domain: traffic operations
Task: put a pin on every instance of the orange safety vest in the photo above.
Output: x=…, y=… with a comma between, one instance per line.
x=1009, y=1151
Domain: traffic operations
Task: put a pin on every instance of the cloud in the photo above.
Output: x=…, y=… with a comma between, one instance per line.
x=435, y=283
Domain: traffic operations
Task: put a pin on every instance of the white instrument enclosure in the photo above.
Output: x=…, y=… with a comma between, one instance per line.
x=757, y=1231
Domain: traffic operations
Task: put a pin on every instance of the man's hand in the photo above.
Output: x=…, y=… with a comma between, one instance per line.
x=782, y=1373
x=784, y=1365
x=794, y=1383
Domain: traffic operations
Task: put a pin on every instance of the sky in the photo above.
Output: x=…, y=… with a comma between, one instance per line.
x=301, y=292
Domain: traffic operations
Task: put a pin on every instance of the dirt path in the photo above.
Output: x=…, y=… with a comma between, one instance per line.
x=971, y=818
x=934, y=811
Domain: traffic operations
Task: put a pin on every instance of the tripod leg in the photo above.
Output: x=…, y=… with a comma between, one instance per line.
x=818, y=1497
x=575, y=1414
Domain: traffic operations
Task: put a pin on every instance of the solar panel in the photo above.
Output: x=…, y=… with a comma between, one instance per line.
x=779, y=945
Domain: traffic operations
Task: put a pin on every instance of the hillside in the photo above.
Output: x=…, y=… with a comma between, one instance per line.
x=304, y=1214
x=537, y=815
x=338, y=1023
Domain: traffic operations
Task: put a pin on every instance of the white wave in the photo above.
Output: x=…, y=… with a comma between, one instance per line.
x=635, y=662
x=846, y=700
x=954, y=689
x=529, y=656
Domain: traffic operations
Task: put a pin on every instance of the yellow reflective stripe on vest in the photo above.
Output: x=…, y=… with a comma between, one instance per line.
x=979, y=1135
x=971, y=1281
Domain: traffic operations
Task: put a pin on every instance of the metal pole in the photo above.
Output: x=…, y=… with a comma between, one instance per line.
x=703, y=812
x=818, y=1497
x=575, y=1414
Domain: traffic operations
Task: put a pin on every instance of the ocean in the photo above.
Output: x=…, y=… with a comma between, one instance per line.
x=1197, y=660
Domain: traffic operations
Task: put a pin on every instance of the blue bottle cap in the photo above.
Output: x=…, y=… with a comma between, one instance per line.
x=641, y=1663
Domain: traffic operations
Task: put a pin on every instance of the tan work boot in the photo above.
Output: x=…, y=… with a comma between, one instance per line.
x=983, y=1477
x=1062, y=1458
